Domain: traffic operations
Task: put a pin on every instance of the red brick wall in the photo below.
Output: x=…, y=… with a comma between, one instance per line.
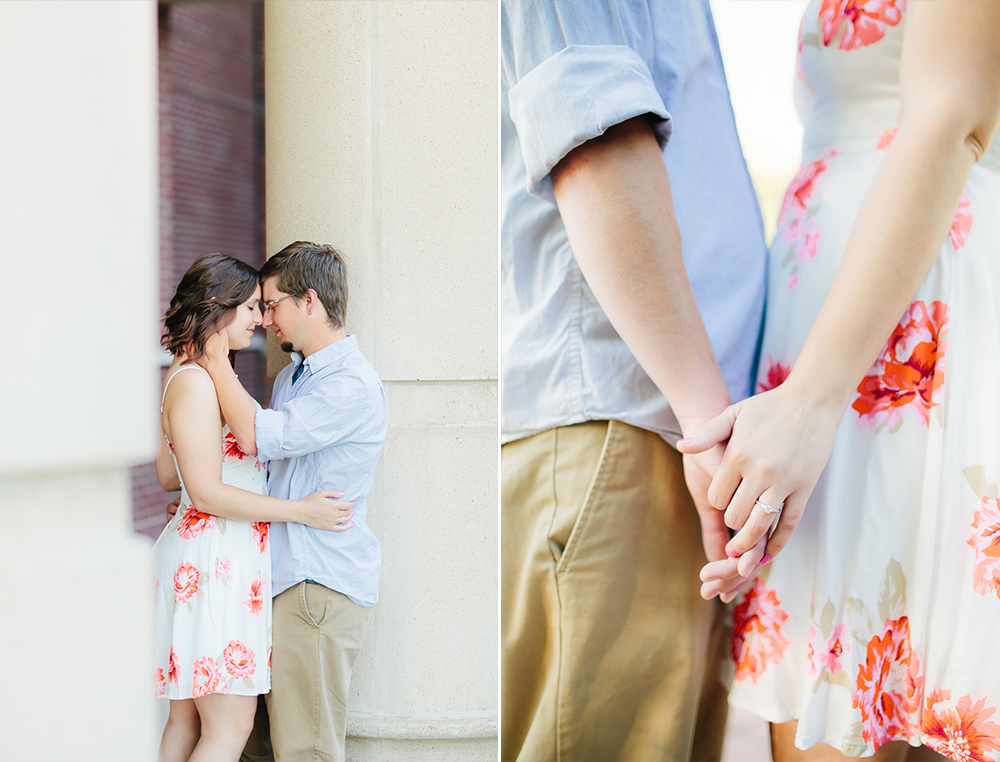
x=211, y=168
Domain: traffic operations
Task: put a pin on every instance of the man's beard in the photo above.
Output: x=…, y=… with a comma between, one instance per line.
x=286, y=346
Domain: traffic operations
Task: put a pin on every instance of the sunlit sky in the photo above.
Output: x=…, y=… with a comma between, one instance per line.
x=758, y=40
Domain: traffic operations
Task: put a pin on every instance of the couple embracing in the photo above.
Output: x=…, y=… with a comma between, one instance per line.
x=272, y=506
x=850, y=507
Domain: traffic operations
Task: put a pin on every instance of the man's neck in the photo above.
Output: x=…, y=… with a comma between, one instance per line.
x=322, y=340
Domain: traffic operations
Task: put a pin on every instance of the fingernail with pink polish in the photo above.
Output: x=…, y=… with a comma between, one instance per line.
x=766, y=559
x=732, y=553
x=689, y=440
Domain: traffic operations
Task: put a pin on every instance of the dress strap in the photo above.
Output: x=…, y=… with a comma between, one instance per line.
x=183, y=367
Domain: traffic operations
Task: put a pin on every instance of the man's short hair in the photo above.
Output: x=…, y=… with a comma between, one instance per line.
x=303, y=265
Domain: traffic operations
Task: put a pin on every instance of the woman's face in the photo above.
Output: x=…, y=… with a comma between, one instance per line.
x=247, y=318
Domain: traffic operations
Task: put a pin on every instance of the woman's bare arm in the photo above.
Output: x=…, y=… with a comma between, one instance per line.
x=191, y=417
x=950, y=92
x=166, y=471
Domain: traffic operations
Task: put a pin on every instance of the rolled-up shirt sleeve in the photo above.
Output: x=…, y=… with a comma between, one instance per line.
x=570, y=76
x=309, y=423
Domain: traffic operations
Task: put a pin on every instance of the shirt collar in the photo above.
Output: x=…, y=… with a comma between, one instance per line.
x=328, y=355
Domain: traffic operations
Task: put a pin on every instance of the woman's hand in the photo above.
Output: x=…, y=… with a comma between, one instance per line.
x=322, y=511
x=217, y=348
x=779, y=443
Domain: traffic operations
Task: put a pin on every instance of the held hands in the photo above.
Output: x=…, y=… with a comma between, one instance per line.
x=721, y=575
x=779, y=443
x=321, y=511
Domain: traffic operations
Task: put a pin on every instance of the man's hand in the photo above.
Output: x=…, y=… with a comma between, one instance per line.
x=721, y=576
x=698, y=472
x=172, y=509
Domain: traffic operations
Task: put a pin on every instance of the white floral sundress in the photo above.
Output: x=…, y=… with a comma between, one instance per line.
x=212, y=592
x=879, y=621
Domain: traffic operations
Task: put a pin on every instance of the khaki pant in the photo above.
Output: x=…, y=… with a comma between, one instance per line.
x=608, y=651
x=317, y=636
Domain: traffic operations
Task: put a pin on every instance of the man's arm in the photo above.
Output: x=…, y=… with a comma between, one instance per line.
x=614, y=196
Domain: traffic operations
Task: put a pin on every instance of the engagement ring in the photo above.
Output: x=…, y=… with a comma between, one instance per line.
x=768, y=508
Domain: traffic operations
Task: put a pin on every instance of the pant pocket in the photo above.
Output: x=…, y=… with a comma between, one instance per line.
x=583, y=456
x=315, y=602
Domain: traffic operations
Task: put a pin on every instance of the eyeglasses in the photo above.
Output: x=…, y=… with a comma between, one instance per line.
x=269, y=306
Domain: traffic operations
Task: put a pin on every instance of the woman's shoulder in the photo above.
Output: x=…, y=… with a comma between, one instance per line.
x=188, y=381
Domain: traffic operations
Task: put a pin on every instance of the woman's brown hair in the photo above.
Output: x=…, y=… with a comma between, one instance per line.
x=212, y=288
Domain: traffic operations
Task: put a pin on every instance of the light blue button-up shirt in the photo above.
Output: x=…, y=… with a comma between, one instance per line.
x=325, y=431
x=569, y=71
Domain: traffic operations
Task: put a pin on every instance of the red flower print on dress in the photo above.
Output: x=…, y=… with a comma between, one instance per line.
x=888, y=685
x=791, y=216
x=173, y=671
x=886, y=140
x=797, y=224
x=756, y=637
x=961, y=225
x=161, y=683
x=986, y=542
x=206, y=677
x=825, y=653
x=260, y=531
x=255, y=600
x=239, y=660
x=909, y=373
x=863, y=21
x=777, y=372
x=194, y=523
x=960, y=731
x=231, y=448
x=185, y=582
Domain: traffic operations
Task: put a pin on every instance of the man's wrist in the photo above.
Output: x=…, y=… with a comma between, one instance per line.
x=693, y=423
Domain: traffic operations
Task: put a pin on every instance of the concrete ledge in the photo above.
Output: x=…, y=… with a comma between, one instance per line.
x=372, y=726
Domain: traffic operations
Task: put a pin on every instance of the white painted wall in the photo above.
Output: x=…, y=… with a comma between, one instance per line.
x=382, y=141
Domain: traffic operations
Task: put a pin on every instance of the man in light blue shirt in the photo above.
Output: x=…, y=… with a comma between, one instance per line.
x=632, y=291
x=324, y=430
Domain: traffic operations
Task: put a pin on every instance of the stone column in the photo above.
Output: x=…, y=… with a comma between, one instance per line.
x=78, y=242
x=382, y=141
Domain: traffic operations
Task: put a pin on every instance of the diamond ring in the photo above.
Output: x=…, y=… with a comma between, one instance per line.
x=768, y=508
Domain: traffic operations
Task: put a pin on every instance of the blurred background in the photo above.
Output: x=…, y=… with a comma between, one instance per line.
x=211, y=179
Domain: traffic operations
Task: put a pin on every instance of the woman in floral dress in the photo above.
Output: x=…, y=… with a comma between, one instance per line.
x=877, y=425
x=212, y=583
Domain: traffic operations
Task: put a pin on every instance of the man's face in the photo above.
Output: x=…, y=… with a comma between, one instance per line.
x=283, y=318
